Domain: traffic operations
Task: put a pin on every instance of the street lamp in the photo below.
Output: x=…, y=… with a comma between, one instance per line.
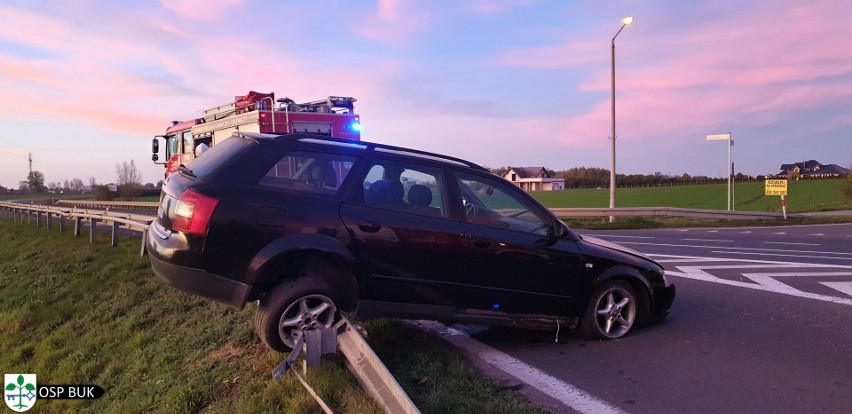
x=626, y=21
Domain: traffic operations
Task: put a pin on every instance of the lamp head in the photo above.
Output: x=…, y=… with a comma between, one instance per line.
x=627, y=20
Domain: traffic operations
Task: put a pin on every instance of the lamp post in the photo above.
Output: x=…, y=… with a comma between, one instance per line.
x=626, y=21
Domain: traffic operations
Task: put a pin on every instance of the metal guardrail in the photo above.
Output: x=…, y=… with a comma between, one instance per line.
x=665, y=212
x=107, y=205
x=116, y=220
x=560, y=212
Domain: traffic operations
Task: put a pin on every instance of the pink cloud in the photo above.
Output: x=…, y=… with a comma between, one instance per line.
x=493, y=6
x=752, y=69
x=12, y=151
x=206, y=10
x=395, y=22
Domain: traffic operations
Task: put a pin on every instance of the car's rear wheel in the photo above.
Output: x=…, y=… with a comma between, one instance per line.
x=293, y=307
x=611, y=313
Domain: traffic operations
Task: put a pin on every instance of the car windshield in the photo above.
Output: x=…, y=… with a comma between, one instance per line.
x=217, y=156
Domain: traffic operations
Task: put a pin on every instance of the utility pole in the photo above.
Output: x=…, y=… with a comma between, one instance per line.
x=31, y=164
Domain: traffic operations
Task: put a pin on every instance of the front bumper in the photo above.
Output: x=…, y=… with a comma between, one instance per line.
x=664, y=303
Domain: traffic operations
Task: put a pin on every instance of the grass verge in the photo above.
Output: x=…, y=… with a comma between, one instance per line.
x=76, y=313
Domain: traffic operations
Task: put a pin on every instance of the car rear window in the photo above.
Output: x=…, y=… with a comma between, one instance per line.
x=218, y=156
x=309, y=172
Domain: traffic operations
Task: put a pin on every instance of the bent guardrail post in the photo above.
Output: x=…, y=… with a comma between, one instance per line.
x=371, y=372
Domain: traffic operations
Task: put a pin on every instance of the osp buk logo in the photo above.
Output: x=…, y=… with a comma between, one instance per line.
x=20, y=391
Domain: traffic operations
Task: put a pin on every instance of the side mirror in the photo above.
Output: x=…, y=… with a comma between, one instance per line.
x=557, y=229
x=155, y=146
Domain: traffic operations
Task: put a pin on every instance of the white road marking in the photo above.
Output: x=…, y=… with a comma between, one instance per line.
x=845, y=287
x=816, y=234
x=784, y=255
x=620, y=236
x=697, y=273
x=793, y=243
x=779, y=232
x=562, y=391
x=746, y=232
x=768, y=279
x=710, y=240
x=738, y=248
x=712, y=231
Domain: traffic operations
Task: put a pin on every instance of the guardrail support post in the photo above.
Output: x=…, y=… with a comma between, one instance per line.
x=48, y=220
x=114, y=233
x=38, y=218
x=78, y=222
x=93, y=225
x=61, y=223
x=143, y=250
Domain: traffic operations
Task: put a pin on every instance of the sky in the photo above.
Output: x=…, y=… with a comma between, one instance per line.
x=86, y=84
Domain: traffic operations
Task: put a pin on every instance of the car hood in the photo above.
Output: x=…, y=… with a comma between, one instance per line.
x=617, y=247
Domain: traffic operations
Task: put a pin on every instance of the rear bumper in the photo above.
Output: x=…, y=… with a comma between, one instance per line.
x=198, y=281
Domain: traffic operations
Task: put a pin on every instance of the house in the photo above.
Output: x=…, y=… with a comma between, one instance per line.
x=813, y=169
x=534, y=179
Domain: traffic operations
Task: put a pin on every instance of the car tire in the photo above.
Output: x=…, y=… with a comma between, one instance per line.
x=611, y=312
x=291, y=308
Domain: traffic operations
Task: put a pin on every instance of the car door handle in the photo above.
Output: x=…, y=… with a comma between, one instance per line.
x=369, y=226
x=481, y=243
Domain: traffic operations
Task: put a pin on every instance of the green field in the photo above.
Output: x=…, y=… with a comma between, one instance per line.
x=76, y=313
x=803, y=196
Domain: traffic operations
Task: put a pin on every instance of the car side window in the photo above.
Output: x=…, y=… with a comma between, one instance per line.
x=492, y=203
x=408, y=188
x=309, y=171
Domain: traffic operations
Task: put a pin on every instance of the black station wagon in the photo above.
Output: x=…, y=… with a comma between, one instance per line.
x=310, y=226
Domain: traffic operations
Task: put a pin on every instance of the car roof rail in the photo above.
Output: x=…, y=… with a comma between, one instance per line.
x=365, y=145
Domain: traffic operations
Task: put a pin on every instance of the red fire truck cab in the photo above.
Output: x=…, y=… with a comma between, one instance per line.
x=257, y=112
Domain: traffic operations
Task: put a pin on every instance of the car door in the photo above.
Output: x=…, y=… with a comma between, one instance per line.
x=402, y=233
x=512, y=263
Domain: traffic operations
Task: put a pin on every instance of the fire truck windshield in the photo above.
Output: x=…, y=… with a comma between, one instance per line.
x=172, y=144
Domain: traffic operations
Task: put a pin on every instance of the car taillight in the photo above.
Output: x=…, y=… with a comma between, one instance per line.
x=193, y=212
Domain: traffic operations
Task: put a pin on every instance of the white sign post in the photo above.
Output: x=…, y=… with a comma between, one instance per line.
x=730, y=167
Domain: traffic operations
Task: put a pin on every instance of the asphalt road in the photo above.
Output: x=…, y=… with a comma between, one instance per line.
x=762, y=324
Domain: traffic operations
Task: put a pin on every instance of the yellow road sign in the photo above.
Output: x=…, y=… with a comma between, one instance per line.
x=776, y=187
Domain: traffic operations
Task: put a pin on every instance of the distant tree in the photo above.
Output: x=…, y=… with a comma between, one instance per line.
x=501, y=171
x=102, y=193
x=128, y=178
x=54, y=187
x=76, y=185
x=23, y=186
x=686, y=177
x=35, y=181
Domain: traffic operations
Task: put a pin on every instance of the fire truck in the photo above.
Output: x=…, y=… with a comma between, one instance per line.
x=256, y=112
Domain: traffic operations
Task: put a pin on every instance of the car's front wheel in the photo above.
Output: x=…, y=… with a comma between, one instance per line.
x=611, y=312
x=293, y=307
